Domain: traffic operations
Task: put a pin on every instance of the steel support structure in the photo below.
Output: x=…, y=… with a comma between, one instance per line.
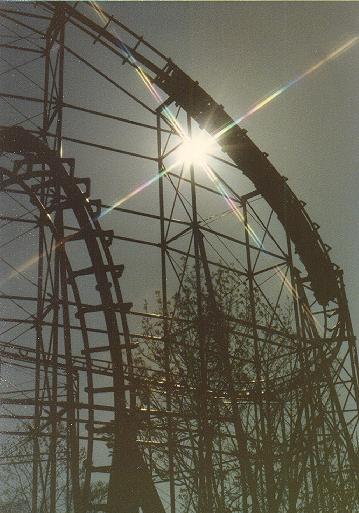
x=54, y=80
x=237, y=389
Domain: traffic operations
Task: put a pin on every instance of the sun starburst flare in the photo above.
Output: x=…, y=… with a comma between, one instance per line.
x=195, y=150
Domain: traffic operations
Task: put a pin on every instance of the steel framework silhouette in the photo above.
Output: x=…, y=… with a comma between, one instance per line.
x=236, y=390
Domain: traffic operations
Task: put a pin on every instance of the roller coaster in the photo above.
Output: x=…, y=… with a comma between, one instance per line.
x=187, y=347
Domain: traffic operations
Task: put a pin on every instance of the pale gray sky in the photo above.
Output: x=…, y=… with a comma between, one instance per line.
x=242, y=51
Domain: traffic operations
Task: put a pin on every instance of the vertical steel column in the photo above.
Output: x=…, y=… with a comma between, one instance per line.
x=166, y=334
x=71, y=421
x=54, y=354
x=60, y=96
x=205, y=481
x=248, y=482
x=353, y=351
x=46, y=107
x=53, y=82
x=312, y=502
x=268, y=462
x=39, y=349
x=54, y=78
x=292, y=486
x=221, y=472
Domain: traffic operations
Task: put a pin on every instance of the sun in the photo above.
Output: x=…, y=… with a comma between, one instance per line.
x=196, y=149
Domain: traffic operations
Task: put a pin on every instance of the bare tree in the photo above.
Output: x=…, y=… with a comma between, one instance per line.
x=16, y=461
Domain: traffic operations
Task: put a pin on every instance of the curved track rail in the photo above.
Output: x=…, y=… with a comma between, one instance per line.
x=224, y=408
x=66, y=194
x=254, y=163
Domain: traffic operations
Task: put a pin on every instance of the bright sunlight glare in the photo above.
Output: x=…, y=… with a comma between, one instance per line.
x=195, y=149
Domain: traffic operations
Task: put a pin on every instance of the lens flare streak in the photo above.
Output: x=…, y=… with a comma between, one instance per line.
x=138, y=189
x=331, y=56
x=144, y=77
x=235, y=210
x=180, y=131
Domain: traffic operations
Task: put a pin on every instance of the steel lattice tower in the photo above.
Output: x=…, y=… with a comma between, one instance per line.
x=236, y=389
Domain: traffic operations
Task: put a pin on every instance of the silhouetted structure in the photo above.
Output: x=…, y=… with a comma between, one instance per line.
x=252, y=402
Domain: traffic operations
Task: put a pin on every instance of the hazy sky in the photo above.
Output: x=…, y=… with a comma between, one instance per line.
x=242, y=51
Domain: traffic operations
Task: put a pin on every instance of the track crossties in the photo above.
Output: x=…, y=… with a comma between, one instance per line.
x=266, y=179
